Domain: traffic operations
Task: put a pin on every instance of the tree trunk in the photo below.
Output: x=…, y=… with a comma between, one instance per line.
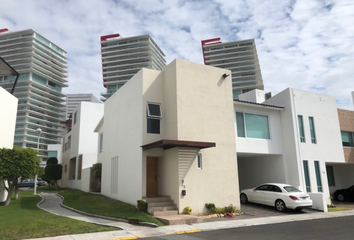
x=9, y=195
x=16, y=190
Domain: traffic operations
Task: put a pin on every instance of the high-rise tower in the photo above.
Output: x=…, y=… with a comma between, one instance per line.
x=41, y=105
x=122, y=58
x=240, y=57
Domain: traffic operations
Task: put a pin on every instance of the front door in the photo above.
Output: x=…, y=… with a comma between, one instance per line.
x=151, y=177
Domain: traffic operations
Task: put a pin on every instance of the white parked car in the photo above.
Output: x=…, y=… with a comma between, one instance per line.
x=280, y=195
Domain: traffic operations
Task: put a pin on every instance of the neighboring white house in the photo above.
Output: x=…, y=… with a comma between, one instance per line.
x=8, y=110
x=80, y=146
x=171, y=133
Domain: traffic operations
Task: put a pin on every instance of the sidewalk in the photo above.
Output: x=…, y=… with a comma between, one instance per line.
x=52, y=204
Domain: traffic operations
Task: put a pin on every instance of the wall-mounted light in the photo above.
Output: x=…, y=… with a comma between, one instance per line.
x=225, y=75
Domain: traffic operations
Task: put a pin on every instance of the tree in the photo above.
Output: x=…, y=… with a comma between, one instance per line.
x=16, y=163
x=53, y=171
x=97, y=173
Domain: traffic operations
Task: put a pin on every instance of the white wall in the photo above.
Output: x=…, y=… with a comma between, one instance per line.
x=256, y=170
x=85, y=179
x=8, y=111
x=123, y=137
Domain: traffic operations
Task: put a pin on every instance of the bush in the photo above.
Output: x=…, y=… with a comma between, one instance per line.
x=142, y=205
x=219, y=210
x=97, y=170
x=187, y=210
x=210, y=207
x=52, y=160
x=230, y=209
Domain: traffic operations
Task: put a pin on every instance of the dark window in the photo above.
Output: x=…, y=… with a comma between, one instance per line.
x=154, y=110
x=275, y=188
x=153, y=125
x=262, y=188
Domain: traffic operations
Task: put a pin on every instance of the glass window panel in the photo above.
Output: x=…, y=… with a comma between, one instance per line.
x=101, y=142
x=318, y=176
x=257, y=126
x=301, y=128
x=199, y=161
x=330, y=176
x=240, y=124
x=154, y=110
x=312, y=130
x=307, y=177
x=52, y=154
x=347, y=139
x=153, y=125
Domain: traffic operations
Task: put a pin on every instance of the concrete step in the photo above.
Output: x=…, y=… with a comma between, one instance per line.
x=158, y=199
x=165, y=208
x=179, y=219
x=165, y=213
x=160, y=204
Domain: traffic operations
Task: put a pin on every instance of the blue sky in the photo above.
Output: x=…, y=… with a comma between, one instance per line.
x=304, y=44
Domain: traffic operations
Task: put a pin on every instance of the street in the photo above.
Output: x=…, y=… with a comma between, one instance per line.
x=331, y=228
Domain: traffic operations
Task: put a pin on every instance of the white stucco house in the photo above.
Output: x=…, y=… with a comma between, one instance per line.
x=80, y=146
x=171, y=134
x=296, y=139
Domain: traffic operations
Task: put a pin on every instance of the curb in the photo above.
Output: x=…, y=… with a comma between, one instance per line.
x=135, y=222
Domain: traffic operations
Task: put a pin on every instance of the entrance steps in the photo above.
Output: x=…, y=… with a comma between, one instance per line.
x=166, y=211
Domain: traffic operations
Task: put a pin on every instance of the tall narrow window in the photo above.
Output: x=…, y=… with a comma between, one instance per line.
x=153, y=118
x=330, y=176
x=75, y=117
x=101, y=142
x=307, y=177
x=301, y=128
x=312, y=130
x=69, y=142
x=199, y=161
x=240, y=124
x=318, y=176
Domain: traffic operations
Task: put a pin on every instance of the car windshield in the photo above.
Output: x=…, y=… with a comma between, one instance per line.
x=291, y=189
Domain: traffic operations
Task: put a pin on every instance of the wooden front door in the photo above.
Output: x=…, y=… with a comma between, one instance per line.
x=151, y=177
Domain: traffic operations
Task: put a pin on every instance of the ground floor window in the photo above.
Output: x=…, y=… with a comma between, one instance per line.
x=330, y=176
x=307, y=176
x=318, y=176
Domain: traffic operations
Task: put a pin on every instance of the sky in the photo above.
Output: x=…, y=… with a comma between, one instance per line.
x=303, y=44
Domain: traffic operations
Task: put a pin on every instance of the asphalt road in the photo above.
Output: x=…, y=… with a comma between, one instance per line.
x=321, y=229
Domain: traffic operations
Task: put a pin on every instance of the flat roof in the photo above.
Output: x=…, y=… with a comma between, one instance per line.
x=167, y=144
x=258, y=104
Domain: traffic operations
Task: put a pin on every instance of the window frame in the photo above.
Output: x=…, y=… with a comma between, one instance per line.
x=244, y=125
x=318, y=176
x=312, y=130
x=301, y=128
x=153, y=120
x=305, y=164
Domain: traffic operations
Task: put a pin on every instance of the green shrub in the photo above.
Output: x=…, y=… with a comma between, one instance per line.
x=219, y=210
x=187, y=210
x=210, y=207
x=142, y=205
x=230, y=209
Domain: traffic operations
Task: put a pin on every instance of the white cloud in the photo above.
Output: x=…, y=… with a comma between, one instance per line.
x=306, y=44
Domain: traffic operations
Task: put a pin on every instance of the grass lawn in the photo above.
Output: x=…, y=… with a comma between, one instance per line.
x=336, y=209
x=100, y=205
x=23, y=219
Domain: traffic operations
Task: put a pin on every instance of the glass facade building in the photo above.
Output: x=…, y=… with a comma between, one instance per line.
x=42, y=66
x=122, y=58
x=240, y=57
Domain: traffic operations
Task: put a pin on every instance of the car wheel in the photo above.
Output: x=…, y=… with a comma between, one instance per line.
x=243, y=198
x=280, y=205
x=340, y=197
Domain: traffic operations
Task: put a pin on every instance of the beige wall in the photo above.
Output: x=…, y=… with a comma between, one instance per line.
x=198, y=107
x=346, y=122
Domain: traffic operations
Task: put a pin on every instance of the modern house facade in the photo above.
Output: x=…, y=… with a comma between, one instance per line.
x=42, y=67
x=171, y=140
x=80, y=146
x=122, y=58
x=238, y=56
